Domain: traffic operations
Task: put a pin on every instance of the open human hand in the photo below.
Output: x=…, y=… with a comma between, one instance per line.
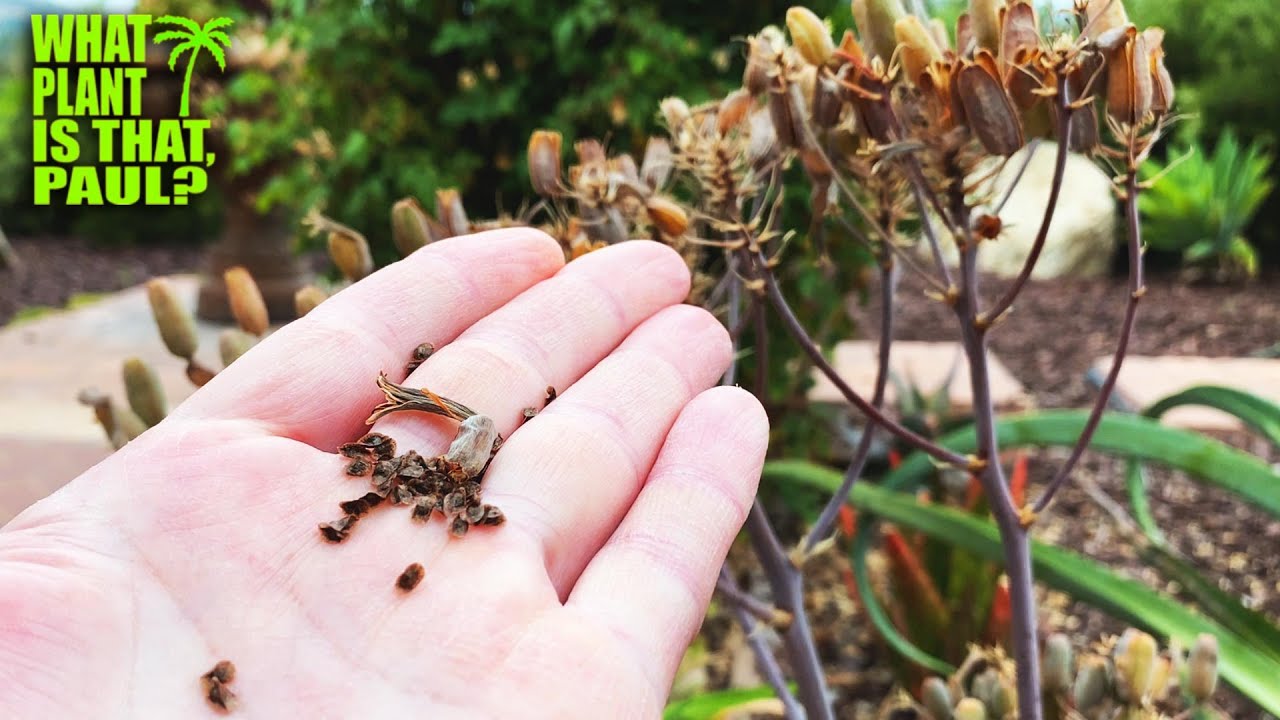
x=197, y=542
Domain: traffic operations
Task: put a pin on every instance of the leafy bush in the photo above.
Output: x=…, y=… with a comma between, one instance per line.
x=1202, y=202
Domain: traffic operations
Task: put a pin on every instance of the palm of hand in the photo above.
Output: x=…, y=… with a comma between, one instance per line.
x=198, y=542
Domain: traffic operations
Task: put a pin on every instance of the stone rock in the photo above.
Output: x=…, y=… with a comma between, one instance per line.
x=1145, y=380
x=1082, y=236
x=923, y=364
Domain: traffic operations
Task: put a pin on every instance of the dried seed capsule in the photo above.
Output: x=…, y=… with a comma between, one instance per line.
x=1135, y=657
x=307, y=298
x=828, y=101
x=1093, y=683
x=655, y=166
x=177, y=326
x=247, y=305
x=1162, y=90
x=936, y=698
x=544, y=162
x=984, y=19
x=675, y=113
x=410, y=578
x=1057, y=663
x=458, y=526
x=966, y=42
x=987, y=109
x=232, y=343
x=760, y=52
x=350, y=252
x=877, y=31
x=810, y=36
x=667, y=215
x=916, y=47
x=1020, y=33
x=410, y=226
x=1102, y=16
x=142, y=388
x=786, y=110
x=733, y=110
x=970, y=709
x=1202, y=668
x=1129, y=82
x=451, y=212
x=473, y=445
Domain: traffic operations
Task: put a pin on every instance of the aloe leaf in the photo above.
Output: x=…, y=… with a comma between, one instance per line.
x=1259, y=414
x=1123, y=435
x=1135, y=481
x=1251, y=672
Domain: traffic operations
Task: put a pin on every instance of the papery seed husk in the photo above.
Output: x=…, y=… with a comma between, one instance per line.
x=1129, y=86
x=410, y=226
x=966, y=41
x=473, y=445
x=655, y=166
x=755, y=77
x=1103, y=16
x=733, y=110
x=810, y=36
x=1021, y=31
x=1162, y=90
x=247, y=305
x=1202, y=667
x=177, y=326
x=988, y=111
x=451, y=212
x=145, y=393
x=307, y=298
x=984, y=19
x=675, y=113
x=544, y=161
x=916, y=46
x=786, y=110
x=828, y=101
x=667, y=216
x=350, y=253
x=878, y=36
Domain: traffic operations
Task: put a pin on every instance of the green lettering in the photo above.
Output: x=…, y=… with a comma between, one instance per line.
x=135, y=141
x=169, y=147
x=63, y=131
x=106, y=139
x=47, y=179
x=116, y=46
x=123, y=186
x=88, y=38
x=43, y=85
x=139, y=23
x=135, y=76
x=50, y=39
x=84, y=188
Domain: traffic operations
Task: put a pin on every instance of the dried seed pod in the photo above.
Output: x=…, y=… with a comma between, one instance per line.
x=760, y=57
x=987, y=109
x=247, y=305
x=458, y=526
x=198, y=374
x=762, y=139
x=916, y=46
x=655, y=166
x=810, y=36
x=966, y=41
x=675, y=113
x=410, y=226
x=1057, y=663
x=1103, y=16
x=142, y=388
x=970, y=709
x=828, y=101
x=936, y=697
x=1202, y=668
x=786, y=110
x=984, y=19
x=877, y=31
x=1129, y=82
x=232, y=343
x=544, y=162
x=1162, y=90
x=733, y=110
x=410, y=578
x=177, y=326
x=1135, y=658
x=1093, y=683
x=338, y=530
x=1020, y=32
x=667, y=215
x=307, y=298
x=450, y=211
x=473, y=445
x=350, y=252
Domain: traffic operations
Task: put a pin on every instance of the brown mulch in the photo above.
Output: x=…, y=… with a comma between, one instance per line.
x=56, y=268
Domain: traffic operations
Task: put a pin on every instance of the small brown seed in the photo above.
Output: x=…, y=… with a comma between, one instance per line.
x=475, y=513
x=359, y=468
x=410, y=578
x=458, y=526
x=492, y=516
x=338, y=530
x=214, y=685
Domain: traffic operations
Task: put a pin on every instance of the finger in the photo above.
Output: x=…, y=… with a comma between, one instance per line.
x=549, y=336
x=652, y=580
x=569, y=475
x=313, y=380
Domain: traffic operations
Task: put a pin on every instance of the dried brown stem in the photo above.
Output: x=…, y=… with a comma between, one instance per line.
x=765, y=660
x=399, y=398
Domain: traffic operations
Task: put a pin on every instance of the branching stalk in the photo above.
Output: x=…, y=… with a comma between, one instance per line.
x=765, y=660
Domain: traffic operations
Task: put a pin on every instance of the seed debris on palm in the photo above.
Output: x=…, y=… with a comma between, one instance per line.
x=449, y=484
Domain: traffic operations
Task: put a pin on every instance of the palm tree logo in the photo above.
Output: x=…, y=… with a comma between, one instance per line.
x=194, y=38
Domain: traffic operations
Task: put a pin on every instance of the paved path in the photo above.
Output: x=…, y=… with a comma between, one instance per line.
x=45, y=362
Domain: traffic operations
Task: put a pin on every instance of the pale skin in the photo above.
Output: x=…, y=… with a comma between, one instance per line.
x=197, y=542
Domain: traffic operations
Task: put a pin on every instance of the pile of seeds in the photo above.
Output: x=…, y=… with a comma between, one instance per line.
x=449, y=483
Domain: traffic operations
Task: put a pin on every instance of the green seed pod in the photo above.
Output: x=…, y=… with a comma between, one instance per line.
x=127, y=423
x=1057, y=663
x=810, y=36
x=1093, y=683
x=307, y=298
x=970, y=709
x=233, y=343
x=247, y=305
x=881, y=15
x=410, y=226
x=177, y=327
x=1202, y=668
x=936, y=698
x=146, y=395
x=986, y=688
x=350, y=252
